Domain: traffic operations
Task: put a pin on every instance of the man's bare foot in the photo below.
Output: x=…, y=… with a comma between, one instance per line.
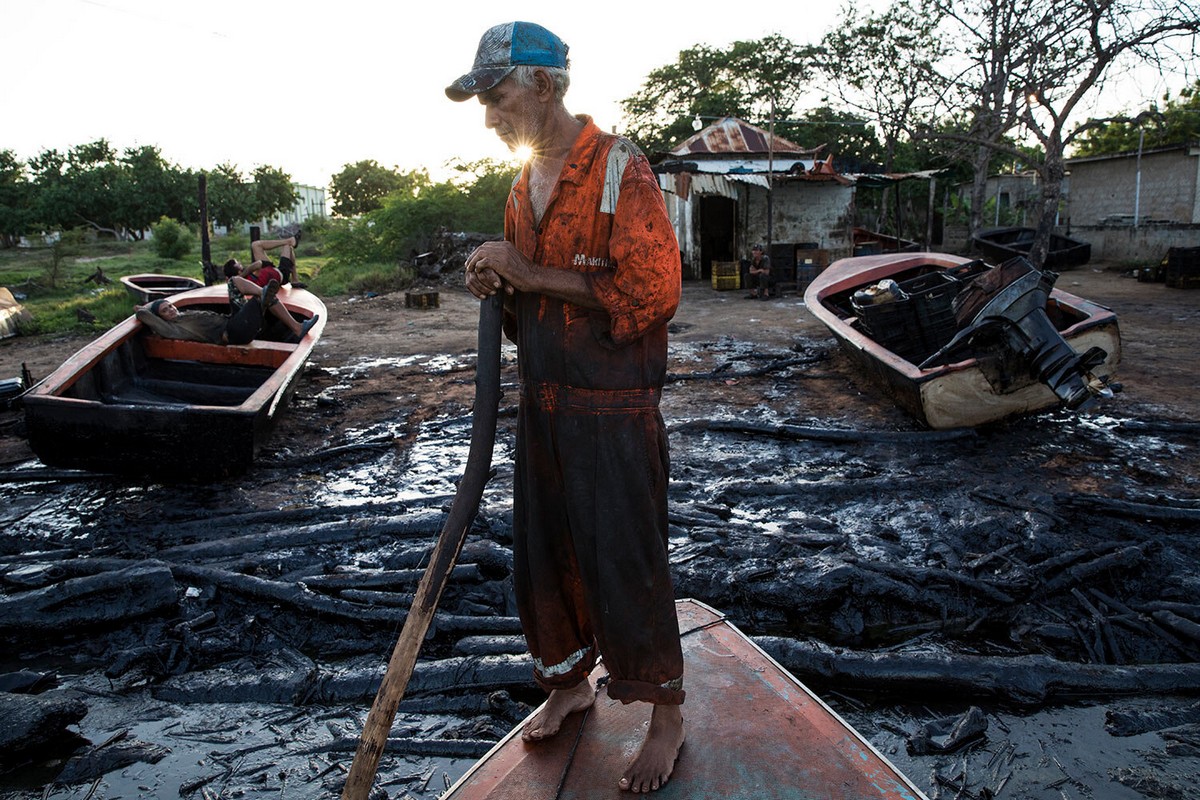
x=655, y=761
x=559, y=705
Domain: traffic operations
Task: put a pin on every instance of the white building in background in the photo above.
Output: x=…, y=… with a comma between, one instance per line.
x=310, y=202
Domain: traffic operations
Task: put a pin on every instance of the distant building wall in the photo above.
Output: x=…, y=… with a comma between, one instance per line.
x=804, y=211
x=1107, y=189
x=1144, y=245
x=309, y=203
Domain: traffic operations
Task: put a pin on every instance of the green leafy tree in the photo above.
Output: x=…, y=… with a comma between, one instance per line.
x=360, y=187
x=273, y=192
x=154, y=188
x=752, y=80
x=16, y=199
x=1176, y=123
x=233, y=201
x=230, y=200
x=849, y=137
x=473, y=200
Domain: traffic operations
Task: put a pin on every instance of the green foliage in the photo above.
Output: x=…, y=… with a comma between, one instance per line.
x=472, y=201
x=1177, y=123
x=361, y=187
x=742, y=80
x=233, y=201
x=16, y=194
x=55, y=306
x=65, y=246
x=172, y=240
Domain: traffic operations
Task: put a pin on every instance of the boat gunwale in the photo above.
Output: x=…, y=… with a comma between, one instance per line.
x=50, y=389
x=847, y=273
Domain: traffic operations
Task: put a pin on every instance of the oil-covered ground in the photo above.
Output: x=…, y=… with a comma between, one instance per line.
x=1024, y=596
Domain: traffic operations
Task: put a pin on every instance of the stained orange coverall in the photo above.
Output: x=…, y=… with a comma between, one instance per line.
x=590, y=506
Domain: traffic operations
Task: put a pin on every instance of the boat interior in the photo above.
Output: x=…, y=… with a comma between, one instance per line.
x=923, y=318
x=145, y=369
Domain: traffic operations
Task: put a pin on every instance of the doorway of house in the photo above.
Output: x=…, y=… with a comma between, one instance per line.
x=718, y=232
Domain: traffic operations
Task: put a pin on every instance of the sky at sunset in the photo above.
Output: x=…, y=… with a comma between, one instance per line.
x=309, y=87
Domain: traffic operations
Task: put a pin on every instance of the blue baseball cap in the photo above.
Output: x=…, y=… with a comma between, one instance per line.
x=501, y=49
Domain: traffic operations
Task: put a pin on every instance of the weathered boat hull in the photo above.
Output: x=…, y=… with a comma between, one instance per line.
x=968, y=392
x=1001, y=244
x=147, y=287
x=754, y=731
x=132, y=402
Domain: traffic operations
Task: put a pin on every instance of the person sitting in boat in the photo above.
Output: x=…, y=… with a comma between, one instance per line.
x=760, y=273
x=261, y=270
x=241, y=327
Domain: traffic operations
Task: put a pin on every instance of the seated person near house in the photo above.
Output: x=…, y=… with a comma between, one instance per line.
x=261, y=269
x=760, y=273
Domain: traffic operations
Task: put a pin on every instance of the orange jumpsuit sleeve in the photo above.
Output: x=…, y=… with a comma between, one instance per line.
x=643, y=290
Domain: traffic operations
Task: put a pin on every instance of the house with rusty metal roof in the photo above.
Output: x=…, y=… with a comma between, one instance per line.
x=734, y=184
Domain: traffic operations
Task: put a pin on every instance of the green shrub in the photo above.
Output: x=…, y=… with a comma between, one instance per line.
x=172, y=240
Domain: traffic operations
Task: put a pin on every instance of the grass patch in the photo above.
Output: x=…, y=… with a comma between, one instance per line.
x=61, y=297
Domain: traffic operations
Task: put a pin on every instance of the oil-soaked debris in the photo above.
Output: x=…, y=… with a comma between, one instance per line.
x=963, y=595
x=949, y=734
x=28, y=722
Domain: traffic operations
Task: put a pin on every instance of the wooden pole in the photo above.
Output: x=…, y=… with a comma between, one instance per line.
x=210, y=276
x=445, y=554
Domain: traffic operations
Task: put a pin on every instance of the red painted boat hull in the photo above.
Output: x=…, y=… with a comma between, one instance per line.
x=964, y=393
x=131, y=402
x=754, y=732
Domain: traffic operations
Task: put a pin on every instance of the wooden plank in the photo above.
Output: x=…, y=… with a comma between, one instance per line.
x=257, y=353
x=754, y=731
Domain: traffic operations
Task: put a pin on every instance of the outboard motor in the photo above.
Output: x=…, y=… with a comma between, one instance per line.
x=1019, y=309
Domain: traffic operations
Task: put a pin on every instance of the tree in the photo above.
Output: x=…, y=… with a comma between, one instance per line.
x=233, y=201
x=1177, y=123
x=749, y=80
x=848, y=137
x=361, y=187
x=1038, y=63
x=472, y=201
x=274, y=192
x=881, y=66
x=16, y=198
x=156, y=189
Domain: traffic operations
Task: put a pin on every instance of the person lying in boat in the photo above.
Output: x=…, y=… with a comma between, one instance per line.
x=241, y=327
x=261, y=270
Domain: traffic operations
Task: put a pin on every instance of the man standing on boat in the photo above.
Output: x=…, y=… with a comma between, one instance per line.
x=591, y=274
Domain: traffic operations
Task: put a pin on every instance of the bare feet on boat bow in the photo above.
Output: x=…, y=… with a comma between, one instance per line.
x=559, y=705
x=655, y=761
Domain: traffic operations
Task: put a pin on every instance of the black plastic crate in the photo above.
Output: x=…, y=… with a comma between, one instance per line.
x=965, y=273
x=1183, y=266
x=894, y=325
x=931, y=297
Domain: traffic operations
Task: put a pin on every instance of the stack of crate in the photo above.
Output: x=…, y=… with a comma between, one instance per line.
x=1183, y=268
x=809, y=262
x=726, y=275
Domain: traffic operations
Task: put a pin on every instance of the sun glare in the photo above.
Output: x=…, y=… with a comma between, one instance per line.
x=523, y=153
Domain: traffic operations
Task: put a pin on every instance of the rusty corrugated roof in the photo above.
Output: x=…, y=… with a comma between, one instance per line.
x=730, y=135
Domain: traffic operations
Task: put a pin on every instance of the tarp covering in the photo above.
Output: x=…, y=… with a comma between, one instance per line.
x=11, y=312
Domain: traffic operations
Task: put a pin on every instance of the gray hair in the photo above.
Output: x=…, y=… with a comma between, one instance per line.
x=522, y=75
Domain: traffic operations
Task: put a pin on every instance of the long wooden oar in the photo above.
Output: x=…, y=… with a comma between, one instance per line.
x=445, y=553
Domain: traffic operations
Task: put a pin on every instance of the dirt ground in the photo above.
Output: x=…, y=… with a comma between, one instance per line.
x=1158, y=326
x=398, y=382
x=1160, y=329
